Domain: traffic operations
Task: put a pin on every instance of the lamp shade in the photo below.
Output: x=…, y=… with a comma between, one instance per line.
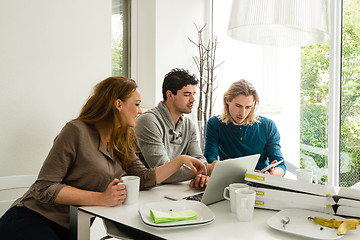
x=279, y=22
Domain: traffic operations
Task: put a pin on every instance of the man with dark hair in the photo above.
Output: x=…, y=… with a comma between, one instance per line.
x=164, y=133
x=176, y=79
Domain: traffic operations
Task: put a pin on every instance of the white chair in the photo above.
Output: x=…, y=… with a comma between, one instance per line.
x=290, y=170
x=13, y=187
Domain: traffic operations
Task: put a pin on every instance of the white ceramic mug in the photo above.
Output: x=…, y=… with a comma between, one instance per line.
x=306, y=176
x=245, y=203
x=229, y=194
x=132, y=184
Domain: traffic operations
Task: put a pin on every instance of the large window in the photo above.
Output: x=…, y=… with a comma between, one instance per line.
x=315, y=102
x=121, y=38
x=295, y=88
x=314, y=95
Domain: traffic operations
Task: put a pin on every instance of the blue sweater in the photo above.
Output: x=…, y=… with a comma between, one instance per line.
x=223, y=141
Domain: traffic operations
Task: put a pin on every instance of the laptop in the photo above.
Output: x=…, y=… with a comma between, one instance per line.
x=224, y=173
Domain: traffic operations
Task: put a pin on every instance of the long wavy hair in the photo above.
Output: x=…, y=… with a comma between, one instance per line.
x=245, y=88
x=100, y=108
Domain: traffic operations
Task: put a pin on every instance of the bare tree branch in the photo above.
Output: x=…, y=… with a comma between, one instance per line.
x=205, y=63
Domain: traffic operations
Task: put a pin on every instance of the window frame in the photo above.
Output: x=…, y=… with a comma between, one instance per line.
x=123, y=7
x=334, y=111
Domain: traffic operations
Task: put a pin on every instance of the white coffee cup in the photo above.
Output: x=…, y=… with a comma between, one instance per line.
x=229, y=194
x=245, y=203
x=306, y=176
x=132, y=184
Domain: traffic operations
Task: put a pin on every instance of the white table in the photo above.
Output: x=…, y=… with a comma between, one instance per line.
x=225, y=225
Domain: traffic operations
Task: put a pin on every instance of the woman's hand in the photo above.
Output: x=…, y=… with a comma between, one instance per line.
x=114, y=194
x=166, y=170
x=196, y=166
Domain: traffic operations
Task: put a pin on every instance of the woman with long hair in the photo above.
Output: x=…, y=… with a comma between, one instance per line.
x=84, y=165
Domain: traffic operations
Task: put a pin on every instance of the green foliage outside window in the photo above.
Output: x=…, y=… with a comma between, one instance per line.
x=314, y=95
x=117, y=57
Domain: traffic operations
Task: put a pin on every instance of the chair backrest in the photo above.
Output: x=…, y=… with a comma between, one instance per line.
x=290, y=167
x=12, y=187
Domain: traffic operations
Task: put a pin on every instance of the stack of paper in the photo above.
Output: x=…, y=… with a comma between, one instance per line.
x=348, y=202
x=274, y=192
x=290, y=184
x=279, y=199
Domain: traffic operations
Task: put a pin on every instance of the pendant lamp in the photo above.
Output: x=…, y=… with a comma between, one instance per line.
x=279, y=22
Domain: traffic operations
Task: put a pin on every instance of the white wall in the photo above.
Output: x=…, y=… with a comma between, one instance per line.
x=160, y=41
x=52, y=53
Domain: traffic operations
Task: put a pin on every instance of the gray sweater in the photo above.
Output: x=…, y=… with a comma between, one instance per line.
x=158, y=146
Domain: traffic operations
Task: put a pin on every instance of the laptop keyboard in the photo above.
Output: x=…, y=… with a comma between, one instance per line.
x=195, y=197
